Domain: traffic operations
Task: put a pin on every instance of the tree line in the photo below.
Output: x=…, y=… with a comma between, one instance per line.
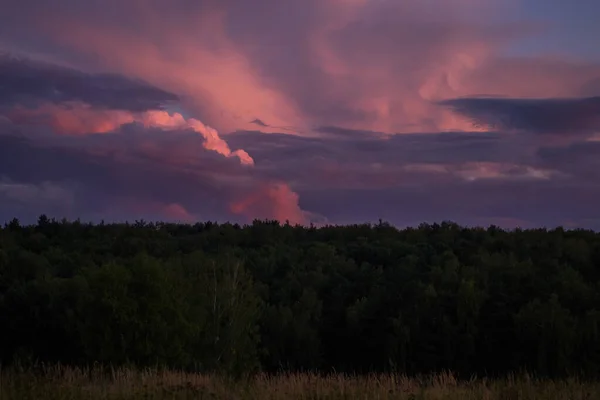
x=270, y=297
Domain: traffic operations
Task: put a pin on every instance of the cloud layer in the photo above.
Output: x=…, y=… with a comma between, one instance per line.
x=29, y=83
x=307, y=111
x=552, y=116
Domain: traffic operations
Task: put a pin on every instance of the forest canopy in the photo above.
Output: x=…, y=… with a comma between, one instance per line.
x=269, y=296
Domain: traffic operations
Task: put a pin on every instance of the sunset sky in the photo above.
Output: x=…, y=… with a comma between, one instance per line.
x=312, y=111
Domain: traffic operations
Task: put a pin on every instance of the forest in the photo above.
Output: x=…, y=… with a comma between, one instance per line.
x=270, y=297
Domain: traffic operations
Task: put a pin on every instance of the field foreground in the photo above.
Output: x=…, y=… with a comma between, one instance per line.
x=108, y=383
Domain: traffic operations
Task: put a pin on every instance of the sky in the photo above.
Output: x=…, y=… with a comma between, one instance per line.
x=481, y=112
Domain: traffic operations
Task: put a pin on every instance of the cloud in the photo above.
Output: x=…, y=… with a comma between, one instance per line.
x=134, y=173
x=369, y=160
x=71, y=118
x=191, y=56
x=76, y=118
x=469, y=177
x=32, y=194
x=573, y=116
x=316, y=110
x=259, y=123
x=357, y=64
x=271, y=201
x=20, y=198
x=73, y=102
x=29, y=83
x=540, y=203
x=144, y=173
x=212, y=140
x=580, y=159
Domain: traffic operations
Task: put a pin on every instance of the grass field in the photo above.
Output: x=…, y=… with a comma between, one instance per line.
x=58, y=382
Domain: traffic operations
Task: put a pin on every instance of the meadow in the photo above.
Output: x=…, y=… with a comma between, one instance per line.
x=62, y=383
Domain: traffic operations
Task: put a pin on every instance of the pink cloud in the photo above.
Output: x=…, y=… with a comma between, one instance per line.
x=354, y=63
x=212, y=140
x=177, y=212
x=73, y=119
x=271, y=201
x=81, y=119
x=195, y=59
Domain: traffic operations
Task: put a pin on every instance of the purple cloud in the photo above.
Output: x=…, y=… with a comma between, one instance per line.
x=574, y=116
x=31, y=83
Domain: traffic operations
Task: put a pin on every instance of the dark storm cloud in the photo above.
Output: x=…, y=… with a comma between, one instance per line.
x=575, y=116
x=28, y=82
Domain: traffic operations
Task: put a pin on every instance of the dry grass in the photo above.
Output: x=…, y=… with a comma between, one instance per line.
x=61, y=383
